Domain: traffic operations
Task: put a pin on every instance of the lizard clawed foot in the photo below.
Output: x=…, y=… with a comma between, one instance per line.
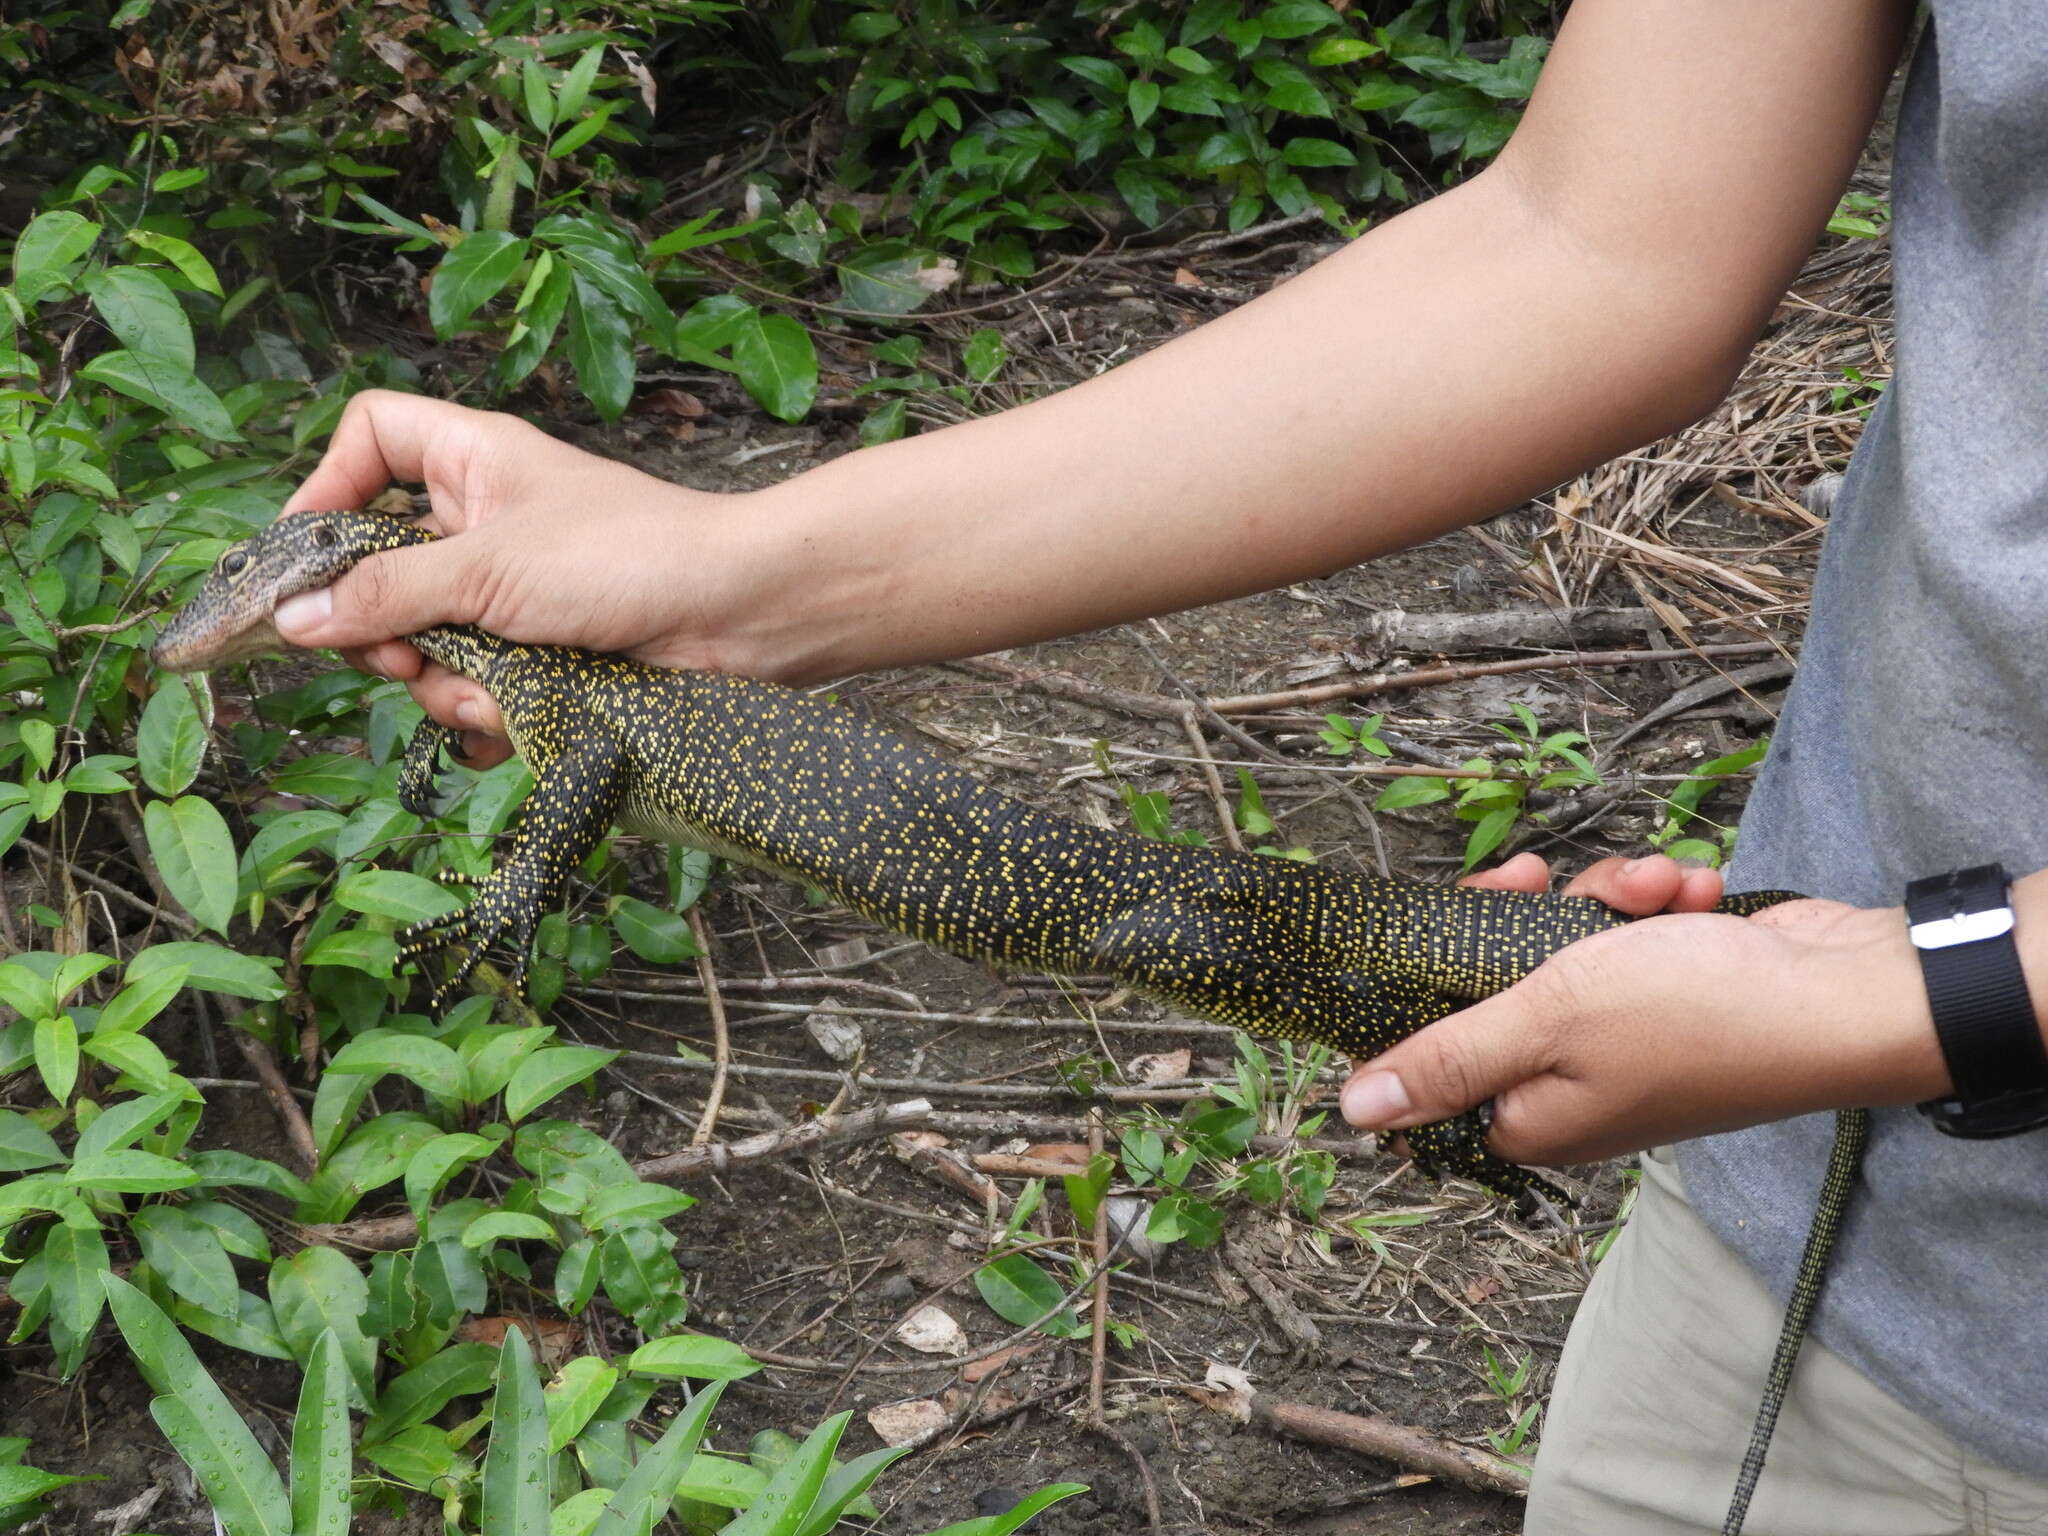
x=1456, y=1148
x=491, y=919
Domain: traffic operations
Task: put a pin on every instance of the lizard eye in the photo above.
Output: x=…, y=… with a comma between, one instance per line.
x=324, y=537
x=232, y=562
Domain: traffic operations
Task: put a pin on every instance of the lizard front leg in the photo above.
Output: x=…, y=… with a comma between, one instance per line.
x=420, y=769
x=572, y=804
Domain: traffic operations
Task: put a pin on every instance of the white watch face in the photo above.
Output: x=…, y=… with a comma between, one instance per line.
x=1964, y=928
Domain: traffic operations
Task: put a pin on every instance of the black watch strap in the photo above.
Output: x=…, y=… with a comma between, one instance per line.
x=1961, y=924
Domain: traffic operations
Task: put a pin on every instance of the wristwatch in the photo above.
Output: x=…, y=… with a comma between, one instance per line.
x=1961, y=923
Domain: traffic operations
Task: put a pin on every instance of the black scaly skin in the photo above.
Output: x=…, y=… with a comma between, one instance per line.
x=787, y=782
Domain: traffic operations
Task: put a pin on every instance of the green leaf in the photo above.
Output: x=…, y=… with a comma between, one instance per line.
x=143, y=313
x=515, y=1492
x=195, y=853
x=171, y=739
x=139, y=1002
x=550, y=1071
x=280, y=841
x=24, y=1144
x=692, y=1354
x=1317, y=152
x=192, y=266
x=777, y=364
x=430, y=1063
x=50, y=243
x=881, y=279
x=202, y=1426
x=136, y=1058
x=321, y=1451
x=658, y=937
x=644, y=1496
x=641, y=1202
x=130, y=1173
x=357, y=948
x=396, y=893
x=1004, y=1524
x=435, y=1163
x=318, y=1291
x=1412, y=790
x=74, y=1263
x=475, y=272
x=167, y=384
x=461, y=1370
x=212, y=969
x=793, y=1490
x=574, y=88
x=600, y=346
x=574, y=1395
x=583, y=132
x=188, y=1254
x=1019, y=1292
x=56, y=1053
x=508, y=1226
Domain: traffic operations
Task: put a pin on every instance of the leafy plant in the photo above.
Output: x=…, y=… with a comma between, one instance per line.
x=1683, y=808
x=1498, y=796
x=1860, y=216
x=1509, y=1383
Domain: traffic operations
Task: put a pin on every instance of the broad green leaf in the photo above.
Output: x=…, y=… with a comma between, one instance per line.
x=51, y=242
x=576, y=1276
x=435, y=1163
x=573, y=88
x=211, y=967
x=238, y=1231
x=396, y=893
x=28, y=992
x=192, y=266
x=144, y=315
x=548, y=1072
x=515, y=1496
x=577, y=1515
x=223, y=1168
x=74, y=1263
x=137, y=1058
x=461, y=1370
x=880, y=279
x=777, y=364
x=658, y=937
x=21, y=1486
x=321, y=1450
x=508, y=1226
x=644, y=1495
x=373, y=1155
x=195, y=853
x=844, y=1486
x=139, y=1002
x=316, y=1291
x=251, y=1327
x=278, y=842
x=359, y=949
x=692, y=1354
x=574, y=1395
x=168, y=385
x=724, y=1482
x=123, y=1124
x=189, y=1256
x=431, y=1064
x=793, y=1490
x=171, y=739
x=472, y=274
x=601, y=347
x=131, y=1173
x=56, y=1048
x=1143, y=100
x=74, y=971
x=1019, y=1292
x=640, y=1202
x=239, y=1480
x=24, y=1144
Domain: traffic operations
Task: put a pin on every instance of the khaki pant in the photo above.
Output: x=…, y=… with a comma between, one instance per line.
x=1658, y=1387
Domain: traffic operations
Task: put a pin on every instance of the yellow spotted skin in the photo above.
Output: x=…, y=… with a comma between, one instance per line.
x=786, y=782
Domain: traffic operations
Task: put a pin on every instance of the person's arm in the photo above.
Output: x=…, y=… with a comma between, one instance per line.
x=1594, y=289
x=1685, y=1025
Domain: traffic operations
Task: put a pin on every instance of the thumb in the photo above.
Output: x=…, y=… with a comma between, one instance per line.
x=387, y=596
x=1475, y=1054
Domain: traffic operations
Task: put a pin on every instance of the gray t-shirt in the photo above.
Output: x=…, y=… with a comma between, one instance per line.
x=1915, y=740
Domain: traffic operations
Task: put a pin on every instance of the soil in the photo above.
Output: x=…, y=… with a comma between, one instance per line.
x=784, y=1259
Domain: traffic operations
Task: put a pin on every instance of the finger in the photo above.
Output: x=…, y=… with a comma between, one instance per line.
x=1448, y=1067
x=1636, y=886
x=388, y=595
x=480, y=751
x=1524, y=872
x=384, y=436
x=457, y=702
x=388, y=658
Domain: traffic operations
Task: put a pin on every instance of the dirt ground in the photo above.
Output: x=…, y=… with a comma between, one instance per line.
x=819, y=1263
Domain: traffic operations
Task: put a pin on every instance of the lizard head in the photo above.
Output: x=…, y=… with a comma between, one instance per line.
x=230, y=617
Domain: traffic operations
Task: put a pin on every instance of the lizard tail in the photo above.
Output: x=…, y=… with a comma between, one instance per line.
x=1852, y=1133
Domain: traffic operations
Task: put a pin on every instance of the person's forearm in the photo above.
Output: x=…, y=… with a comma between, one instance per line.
x=1442, y=369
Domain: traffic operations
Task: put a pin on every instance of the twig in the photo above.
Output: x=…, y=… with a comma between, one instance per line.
x=1155, y=1517
x=383, y=1233
x=1287, y=1317
x=264, y=1064
x=1098, y=1332
x=114, y=628
x=1020, y=1093
x=721, y=1039
x=1403, y=1444
x=120, y=893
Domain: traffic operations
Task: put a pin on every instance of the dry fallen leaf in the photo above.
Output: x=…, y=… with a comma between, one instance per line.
x=907, y=1423
x=1160, y=1066
x=1183, y=278
x=980, y=1370
x=1060, y=1152
x=1226, y=1390
x=555, y=1340
x=931, y=1331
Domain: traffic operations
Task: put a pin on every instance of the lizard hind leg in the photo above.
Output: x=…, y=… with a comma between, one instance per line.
x=420, y=771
